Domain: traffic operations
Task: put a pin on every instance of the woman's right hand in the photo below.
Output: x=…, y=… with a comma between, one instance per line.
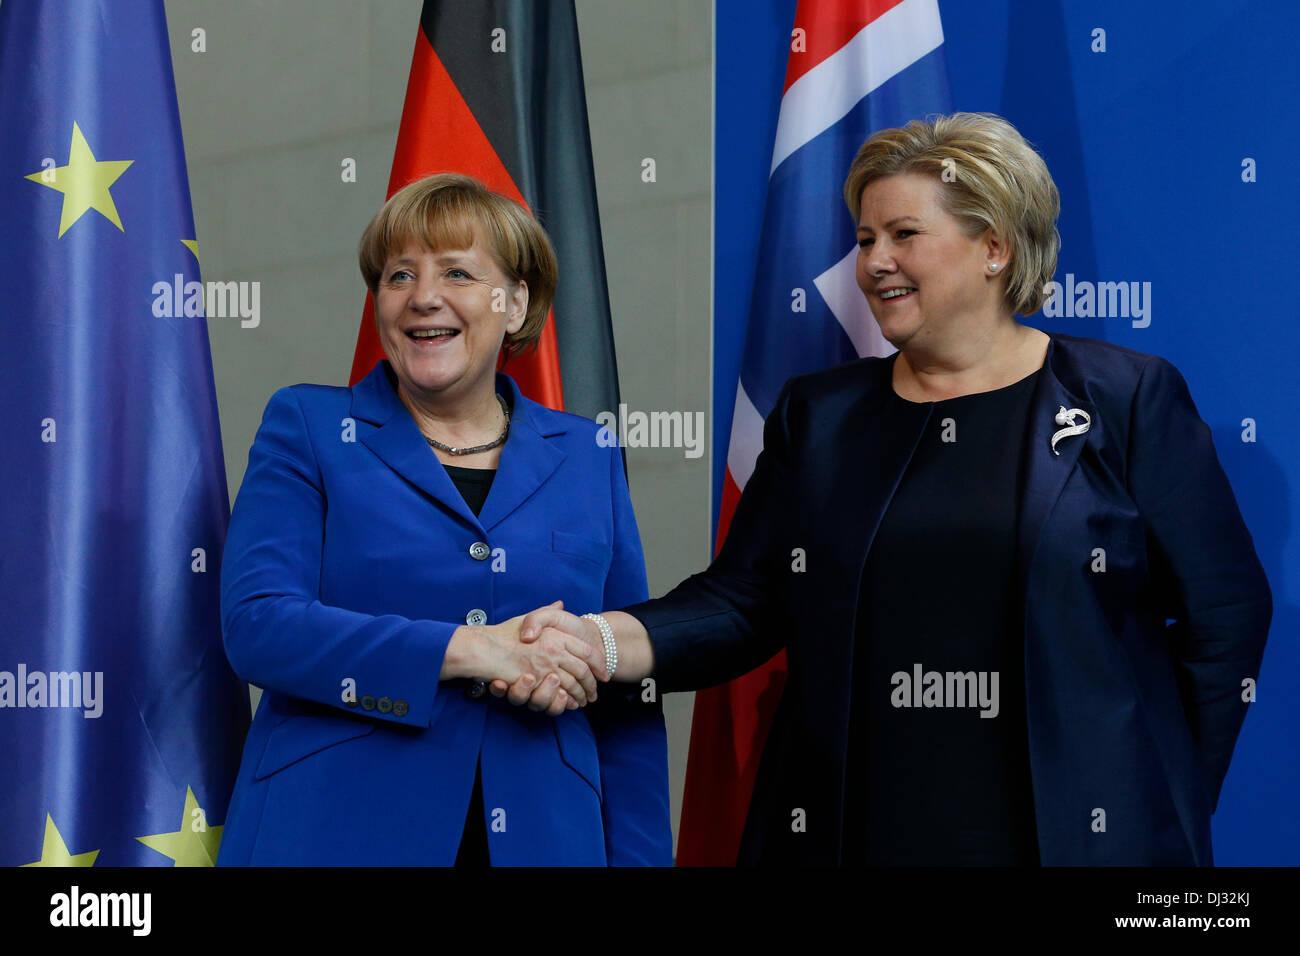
x=495, y=652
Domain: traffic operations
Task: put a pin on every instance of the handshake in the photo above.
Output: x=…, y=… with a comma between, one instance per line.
x=549, y=659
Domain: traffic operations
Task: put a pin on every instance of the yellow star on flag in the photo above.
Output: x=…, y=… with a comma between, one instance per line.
x=192, y=245
x=54, y=852
x=84, y=183
x=188, y=846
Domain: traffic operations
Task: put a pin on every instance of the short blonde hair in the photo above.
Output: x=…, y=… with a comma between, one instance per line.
x=995, y=180
x=449, y=211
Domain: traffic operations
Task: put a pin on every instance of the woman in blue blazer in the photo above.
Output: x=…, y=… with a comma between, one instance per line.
x=385, y=542
x=1022, y=614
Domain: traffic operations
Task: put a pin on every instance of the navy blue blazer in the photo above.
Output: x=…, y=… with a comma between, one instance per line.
x=350, y=560
x=1133, y=676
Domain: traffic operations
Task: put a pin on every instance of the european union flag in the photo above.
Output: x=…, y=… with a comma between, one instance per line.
x=120, y=720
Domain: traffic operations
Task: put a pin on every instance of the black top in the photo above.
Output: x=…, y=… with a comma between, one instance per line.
x=473, y=484
x=930, y=779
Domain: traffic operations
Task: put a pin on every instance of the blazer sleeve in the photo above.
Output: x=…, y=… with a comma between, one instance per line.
x=730, y=618
x=276, y=631
x=628, y=721
x=1222, y=602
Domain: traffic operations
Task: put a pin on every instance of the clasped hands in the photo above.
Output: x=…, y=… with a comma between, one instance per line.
x=549, y=659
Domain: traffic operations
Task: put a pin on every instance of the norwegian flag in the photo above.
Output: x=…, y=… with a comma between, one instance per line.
x=855, y=67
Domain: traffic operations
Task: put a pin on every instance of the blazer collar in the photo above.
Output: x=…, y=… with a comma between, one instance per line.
x=528, y=458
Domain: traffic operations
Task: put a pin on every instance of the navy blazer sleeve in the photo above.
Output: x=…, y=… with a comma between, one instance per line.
x=629, y=721
x=728, y=619
x=1221, y=602
x=277, y=633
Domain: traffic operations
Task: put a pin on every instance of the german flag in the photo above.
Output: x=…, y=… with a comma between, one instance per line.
x=496, y=93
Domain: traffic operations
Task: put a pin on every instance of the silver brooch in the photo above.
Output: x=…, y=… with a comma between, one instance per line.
x=1066, y=417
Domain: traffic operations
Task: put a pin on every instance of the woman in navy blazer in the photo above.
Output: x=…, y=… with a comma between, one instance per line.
x=373, y=583
x=1097, y=534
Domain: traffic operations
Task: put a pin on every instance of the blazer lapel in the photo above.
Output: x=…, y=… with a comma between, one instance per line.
x=528, y=458
x=1045, y=471
x=400, y=445
x=871, y=445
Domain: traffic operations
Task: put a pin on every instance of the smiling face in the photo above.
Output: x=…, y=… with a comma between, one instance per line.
x=442, y=317
x=925, y=280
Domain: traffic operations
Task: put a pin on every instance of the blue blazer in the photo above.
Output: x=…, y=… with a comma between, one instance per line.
x=350, y=560
x=1133, y=677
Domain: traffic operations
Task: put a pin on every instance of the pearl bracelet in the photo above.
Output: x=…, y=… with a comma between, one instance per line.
x=607, y=635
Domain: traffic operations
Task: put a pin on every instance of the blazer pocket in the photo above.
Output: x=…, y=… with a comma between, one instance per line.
x=598, y=552
x=302, y=736
x=578, y=748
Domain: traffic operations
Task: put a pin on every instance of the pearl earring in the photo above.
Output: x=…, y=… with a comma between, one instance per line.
x=993, y=267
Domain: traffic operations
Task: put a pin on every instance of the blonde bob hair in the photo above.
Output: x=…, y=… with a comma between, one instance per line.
x=990, y=178
x=451, y=211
